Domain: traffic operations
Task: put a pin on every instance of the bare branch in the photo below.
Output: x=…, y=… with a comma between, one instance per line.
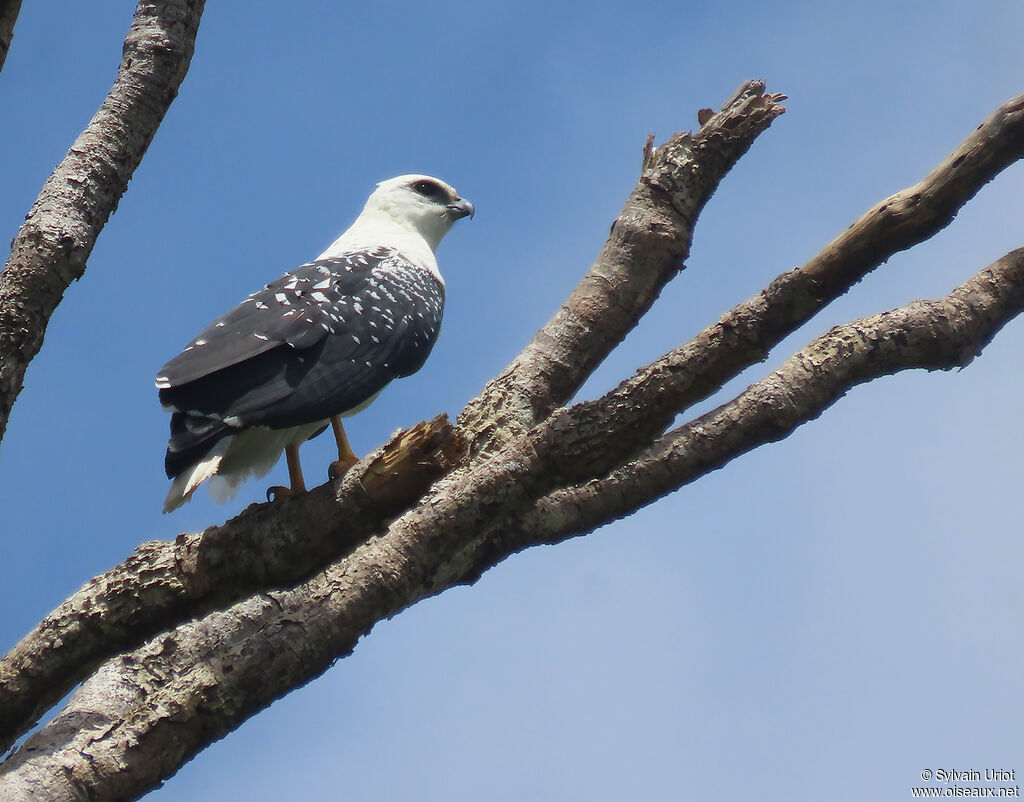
x=143, y=714
x=624, y=282
x=745, y=335
x=53, y=244
x=936, y=335
x=8, y=16
x=648, y=243
x=594, y=437
x=164, y=583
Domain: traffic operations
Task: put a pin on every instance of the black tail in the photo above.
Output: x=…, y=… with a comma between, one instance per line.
x=192, y=438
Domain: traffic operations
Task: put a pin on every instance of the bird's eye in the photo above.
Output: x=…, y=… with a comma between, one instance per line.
x=430, y=189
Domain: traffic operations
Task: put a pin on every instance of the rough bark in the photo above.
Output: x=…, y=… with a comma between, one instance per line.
x=649, y=241
x=934, y=335
x=52, y=246
x=656, y=230
x=746, y=334
x=164, y=583
x=8, y=16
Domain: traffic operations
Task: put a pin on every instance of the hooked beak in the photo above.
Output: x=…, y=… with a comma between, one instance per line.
x=461, y=208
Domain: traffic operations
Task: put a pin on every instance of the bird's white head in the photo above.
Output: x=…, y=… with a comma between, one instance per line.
x=419, y=203
x=406, y=212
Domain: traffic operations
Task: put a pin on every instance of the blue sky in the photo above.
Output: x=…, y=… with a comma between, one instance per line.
x=825, y=618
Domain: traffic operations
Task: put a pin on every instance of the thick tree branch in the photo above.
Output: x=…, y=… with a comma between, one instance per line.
x=142, y=714
x=935, y=335
x=53, y=244
x=165, y=583
x=745, y=335
x=591, y=438
x=624, y=280
x=8, y=16
x=648, y=243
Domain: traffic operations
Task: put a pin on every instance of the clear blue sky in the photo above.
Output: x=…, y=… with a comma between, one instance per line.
x=824, y=619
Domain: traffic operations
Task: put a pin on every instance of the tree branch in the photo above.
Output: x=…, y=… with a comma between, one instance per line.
x=8, y=16
x=648, y=243
x=935, y=335
x=747, y=333
x=165, y=583
x=548, y=371
x=593, y=437
x=52, y=246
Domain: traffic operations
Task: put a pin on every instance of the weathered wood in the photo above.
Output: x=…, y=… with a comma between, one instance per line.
x=745, y=335
x=59, y=232
x=934, y=335
x=648, y=244
x=164, y=583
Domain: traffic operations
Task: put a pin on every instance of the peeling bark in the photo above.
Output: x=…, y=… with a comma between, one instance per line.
x=59, y=232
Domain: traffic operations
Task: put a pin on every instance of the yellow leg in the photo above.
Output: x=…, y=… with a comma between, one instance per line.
x=291, y=455
x=346, y=458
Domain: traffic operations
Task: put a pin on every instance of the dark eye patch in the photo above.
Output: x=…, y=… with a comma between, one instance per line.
x=431, y=189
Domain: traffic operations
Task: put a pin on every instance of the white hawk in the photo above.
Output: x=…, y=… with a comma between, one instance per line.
x=317, y=344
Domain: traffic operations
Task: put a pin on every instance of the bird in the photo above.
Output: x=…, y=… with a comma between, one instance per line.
x=318, y=344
